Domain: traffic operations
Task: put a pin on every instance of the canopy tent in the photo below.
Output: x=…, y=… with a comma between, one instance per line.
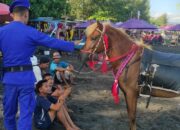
x=4, y=13
x=166, y=27
x=174, y=28
x=84, y=25
x=118, y=24
x=137, y=24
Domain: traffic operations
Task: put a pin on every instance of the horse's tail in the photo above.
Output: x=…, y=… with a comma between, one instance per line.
x=141, y=44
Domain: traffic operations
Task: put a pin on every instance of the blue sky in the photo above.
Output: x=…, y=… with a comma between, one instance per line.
x=170, y=7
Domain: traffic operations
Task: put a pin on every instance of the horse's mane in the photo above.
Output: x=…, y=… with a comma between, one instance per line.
x=90, y=29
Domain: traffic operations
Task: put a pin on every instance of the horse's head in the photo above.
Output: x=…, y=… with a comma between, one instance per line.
x=94, y=38
x=94, y=41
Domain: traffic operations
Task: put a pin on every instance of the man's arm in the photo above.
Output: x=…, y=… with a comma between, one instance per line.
x=58, y=105
x=41, y=39
x=60, y=69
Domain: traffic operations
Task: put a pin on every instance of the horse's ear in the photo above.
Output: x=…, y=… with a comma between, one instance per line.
x=100, y=26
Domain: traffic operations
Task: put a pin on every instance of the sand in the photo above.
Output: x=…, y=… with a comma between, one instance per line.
x=94, y=109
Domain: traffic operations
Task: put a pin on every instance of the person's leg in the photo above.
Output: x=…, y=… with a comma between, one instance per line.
x=68, y=118
x=10, y=106
x=61, y=117
x=27, y=103
x=70, y=77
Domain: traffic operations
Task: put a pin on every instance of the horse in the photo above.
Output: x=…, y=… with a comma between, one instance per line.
x=125, y=57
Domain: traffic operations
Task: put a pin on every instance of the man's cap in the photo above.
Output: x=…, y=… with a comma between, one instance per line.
x=43, y=60
x=19, y=3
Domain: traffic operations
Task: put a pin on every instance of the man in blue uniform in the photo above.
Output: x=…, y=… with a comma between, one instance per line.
x=17, y=44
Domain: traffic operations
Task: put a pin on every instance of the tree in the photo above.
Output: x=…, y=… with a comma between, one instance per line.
x=48, y=8
x=160, y=21
x=116, y=10
x=6, y=1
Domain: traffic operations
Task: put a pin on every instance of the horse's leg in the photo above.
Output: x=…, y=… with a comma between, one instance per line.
x=131, y=95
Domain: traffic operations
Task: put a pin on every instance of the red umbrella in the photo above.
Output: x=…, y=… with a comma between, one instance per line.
x=4, y=13
x=4, y=9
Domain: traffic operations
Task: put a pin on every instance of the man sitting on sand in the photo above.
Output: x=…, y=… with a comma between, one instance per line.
x=48, y=108
x=61, y=69
x=56, y=90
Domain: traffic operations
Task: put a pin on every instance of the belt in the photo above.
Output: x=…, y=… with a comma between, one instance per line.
x=17, y=68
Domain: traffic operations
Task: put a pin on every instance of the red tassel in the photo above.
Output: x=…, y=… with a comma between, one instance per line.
x=106, y=41
x=115, y=92
x=104, y=67
x=92, y=64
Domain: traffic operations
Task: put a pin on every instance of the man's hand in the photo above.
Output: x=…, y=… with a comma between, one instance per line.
x=76, y=42
x=61, y=98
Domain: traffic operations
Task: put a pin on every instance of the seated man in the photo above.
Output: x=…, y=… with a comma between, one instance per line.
x=48, y=108
x=62, y=70
x=55, y=89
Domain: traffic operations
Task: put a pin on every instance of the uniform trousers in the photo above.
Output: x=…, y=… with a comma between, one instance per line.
x=24, y=96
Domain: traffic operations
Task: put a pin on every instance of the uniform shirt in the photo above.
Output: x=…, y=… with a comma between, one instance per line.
x=17, y=43
x=41, y=109
x=54, y=65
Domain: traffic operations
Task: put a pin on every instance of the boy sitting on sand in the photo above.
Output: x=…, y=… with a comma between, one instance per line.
x=47, y=108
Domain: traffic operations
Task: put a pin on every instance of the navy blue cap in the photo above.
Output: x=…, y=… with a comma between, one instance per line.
x=17, y=3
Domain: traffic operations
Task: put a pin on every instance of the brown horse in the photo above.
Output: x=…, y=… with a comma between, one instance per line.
x=116, y=49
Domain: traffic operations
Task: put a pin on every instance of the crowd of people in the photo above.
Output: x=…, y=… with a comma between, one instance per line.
x=155, y=37
x=55, y=78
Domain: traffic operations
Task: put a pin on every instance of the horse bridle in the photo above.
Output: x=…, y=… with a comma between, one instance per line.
x=101, y=37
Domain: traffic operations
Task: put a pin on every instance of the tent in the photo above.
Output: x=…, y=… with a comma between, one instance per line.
x=84, y=25
x=137, y=24
x=166, y=27
x=174, y=28
x=118, y=24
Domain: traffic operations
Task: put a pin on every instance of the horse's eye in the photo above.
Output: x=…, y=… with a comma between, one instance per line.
x=95, y=38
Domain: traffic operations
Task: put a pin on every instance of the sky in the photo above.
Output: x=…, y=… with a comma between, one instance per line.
x=170, y=7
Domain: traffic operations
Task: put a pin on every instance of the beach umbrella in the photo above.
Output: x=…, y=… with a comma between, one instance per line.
x=137, y=24
x=4, y=9
x=174, y=28
x=4, y=13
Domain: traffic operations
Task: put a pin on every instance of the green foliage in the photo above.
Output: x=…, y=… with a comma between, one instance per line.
x=6, y=1
x=114, y=10
x=160, y=21
x=102, y=15
x=48, y=8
